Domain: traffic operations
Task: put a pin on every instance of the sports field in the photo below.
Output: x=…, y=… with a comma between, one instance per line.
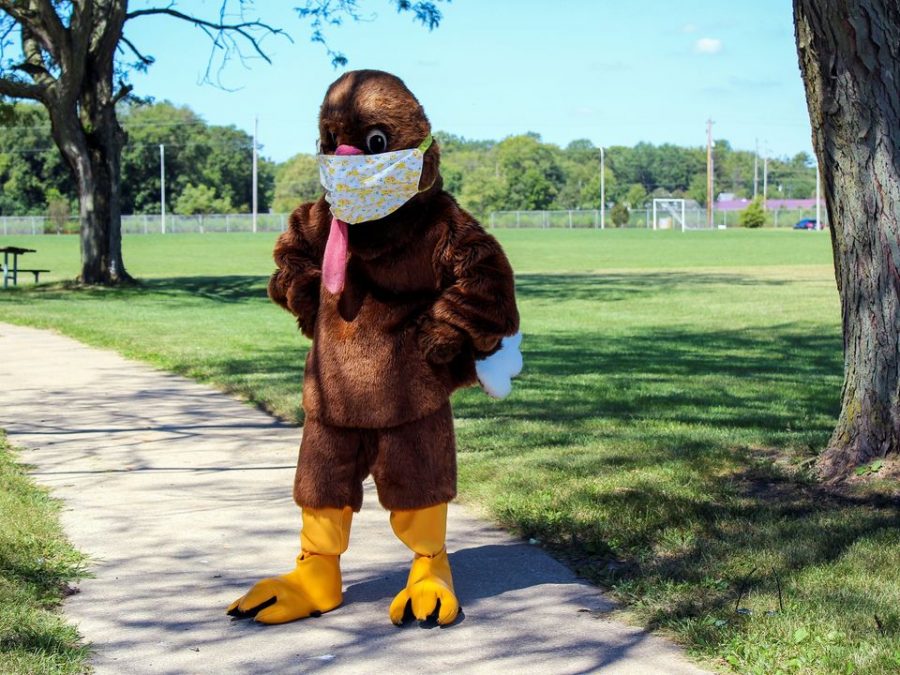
x=676, y=389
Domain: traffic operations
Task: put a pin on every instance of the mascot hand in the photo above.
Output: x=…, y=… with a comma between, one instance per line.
x=440, y=342
x=497, y=370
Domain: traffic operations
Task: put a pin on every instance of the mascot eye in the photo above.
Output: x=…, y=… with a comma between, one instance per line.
x=376, y=141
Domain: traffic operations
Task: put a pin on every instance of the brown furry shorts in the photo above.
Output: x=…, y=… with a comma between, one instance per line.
x=414, y=464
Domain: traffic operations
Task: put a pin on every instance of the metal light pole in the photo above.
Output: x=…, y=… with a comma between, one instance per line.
x=602, y=190
x=255, y=175
x=709, y=174
x=756, y=171
x=162, y=188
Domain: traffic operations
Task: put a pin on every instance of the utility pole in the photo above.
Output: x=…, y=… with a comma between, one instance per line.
x=765, y=180
x=756, y=170
x=255, y=174
x=709, y=174
x=162, y=188
x=602, y=190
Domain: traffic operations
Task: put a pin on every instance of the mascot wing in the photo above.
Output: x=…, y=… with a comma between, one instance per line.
x=495, y=373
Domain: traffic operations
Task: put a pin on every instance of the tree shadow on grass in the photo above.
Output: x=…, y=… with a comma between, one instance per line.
x=229, y=289
x=226, y=289
x=614, y=287
x=769, y=380
x=553, y=287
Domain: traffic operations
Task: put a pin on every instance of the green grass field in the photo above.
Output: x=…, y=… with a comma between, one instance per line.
x=676, y=390
x=36, y=564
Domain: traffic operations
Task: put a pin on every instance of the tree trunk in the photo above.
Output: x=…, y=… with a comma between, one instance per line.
x=101, y=247
x=95, y=159
x=849, y=54
x=82, y=107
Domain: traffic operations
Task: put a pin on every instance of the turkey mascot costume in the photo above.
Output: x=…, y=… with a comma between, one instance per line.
x=406, y=298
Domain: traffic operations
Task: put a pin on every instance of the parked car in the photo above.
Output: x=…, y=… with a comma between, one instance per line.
x=806, y=224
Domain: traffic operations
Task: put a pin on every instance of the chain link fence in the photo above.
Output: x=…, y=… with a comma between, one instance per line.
x=695, y=219
x=201, y=223
x=24, y=225
x=153, y=224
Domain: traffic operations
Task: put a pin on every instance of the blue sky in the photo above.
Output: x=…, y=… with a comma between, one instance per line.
x=614, y=72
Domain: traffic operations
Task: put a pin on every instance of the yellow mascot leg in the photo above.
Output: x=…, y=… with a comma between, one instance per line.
x=430, y=584
x=314, y=586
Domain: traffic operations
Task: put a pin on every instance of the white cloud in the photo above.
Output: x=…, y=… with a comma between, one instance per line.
x=708, y=46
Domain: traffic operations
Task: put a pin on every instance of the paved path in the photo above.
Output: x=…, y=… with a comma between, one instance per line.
x=181, y=496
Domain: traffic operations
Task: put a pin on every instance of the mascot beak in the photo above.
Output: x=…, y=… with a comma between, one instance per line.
x=343, y=150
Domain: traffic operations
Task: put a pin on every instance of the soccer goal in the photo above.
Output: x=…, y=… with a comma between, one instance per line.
x=669, y=214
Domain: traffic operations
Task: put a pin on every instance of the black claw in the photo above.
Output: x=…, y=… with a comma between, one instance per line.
x=431, y=620
x=237, y=613
x=407, y=614
x=316, y=614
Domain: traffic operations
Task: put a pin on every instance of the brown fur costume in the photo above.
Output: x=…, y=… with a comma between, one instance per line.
x=427, y=292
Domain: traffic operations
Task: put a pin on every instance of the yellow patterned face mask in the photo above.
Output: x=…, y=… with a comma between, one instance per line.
x=360, y=188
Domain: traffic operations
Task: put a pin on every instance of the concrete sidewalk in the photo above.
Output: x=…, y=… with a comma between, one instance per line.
x=182, y=498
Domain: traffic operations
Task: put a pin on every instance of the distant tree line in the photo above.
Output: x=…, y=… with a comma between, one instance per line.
x=208, y=169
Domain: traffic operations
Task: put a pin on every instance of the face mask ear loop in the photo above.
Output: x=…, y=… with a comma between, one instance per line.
x=423, y=146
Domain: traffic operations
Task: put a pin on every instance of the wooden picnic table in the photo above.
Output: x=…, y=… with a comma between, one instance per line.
x=13, y=272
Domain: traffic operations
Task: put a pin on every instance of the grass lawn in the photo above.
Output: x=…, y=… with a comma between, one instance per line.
x=676, y=388
x=36, y=564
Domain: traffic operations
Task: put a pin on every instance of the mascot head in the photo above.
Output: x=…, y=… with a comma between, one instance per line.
x=376, y=152
x=379, y=166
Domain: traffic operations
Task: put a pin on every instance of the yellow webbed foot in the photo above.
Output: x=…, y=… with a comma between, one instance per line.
x=429, y=589
x=313, y=588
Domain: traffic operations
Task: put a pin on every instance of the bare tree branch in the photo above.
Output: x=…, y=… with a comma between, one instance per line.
x=144, y=59
x=19, y=89
x=244, y=28
x=34, y=71
x=124, y=90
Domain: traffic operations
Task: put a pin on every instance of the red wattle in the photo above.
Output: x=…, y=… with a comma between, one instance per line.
x=334, y=264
